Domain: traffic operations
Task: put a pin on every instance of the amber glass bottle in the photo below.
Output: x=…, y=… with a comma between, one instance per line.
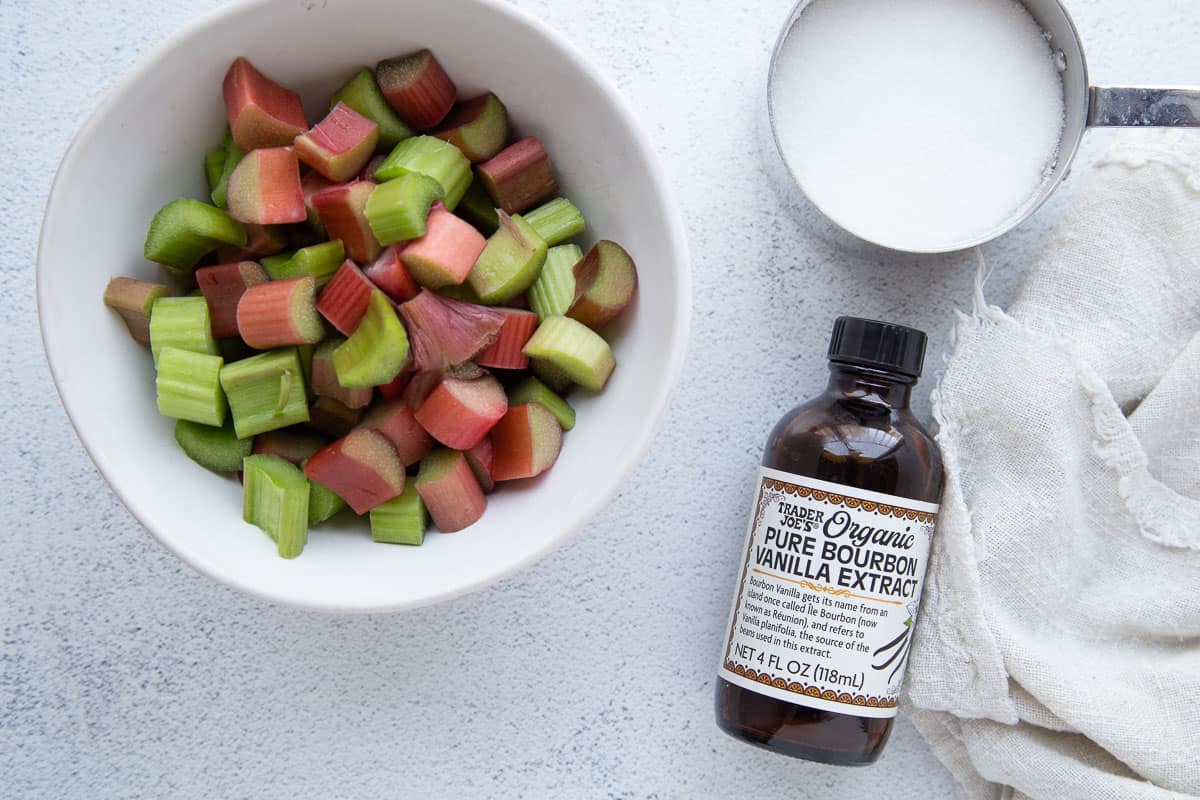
x=835, y=557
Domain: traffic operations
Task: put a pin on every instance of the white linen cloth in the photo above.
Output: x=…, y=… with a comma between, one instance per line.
x=1058, y=652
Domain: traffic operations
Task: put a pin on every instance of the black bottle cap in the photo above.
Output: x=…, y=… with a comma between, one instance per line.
x=881, y=345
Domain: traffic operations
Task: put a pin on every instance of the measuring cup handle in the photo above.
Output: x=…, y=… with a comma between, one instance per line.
x=1136, y=107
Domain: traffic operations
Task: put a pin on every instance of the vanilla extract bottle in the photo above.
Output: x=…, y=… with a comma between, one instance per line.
x=835, y=558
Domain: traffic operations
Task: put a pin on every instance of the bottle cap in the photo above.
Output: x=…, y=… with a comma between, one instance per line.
x=881, y=345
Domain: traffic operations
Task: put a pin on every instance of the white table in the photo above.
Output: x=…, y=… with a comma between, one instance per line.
x=125, y=674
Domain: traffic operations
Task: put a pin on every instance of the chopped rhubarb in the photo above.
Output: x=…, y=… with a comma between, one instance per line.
x=342, y=209
x=215, y=448
x=362, y=467
x=557, y=221
x=310, y=184
x=133, y=300
x=519, y=176
x=433, y=158
x=322, y=503
x=261, y=112
x=532, y=390
x=289, y=444
x=189, y=386
x=446, y=253
x=264, y=189
x=344, y=299
x=445, y=332
x=339, y=145
x=233, y=156
x=332, y=418
x=378, y=349
x=419, y=386
x=480, y=457
x=398, y=209
x=450, y=490
x=389, y=274
x=605, y=282
x=325, y=381
x=477, y=208
x=458, y=413
x=505, y=352
x=276, y=498
x=279, y=314
x=478, y=127
x=319, y=261
x=396, y=421
x=526, y=441
x=183, y=323
x=395, y=389
x=266, y=392
x=510, y=263
x=261, y=240
x=362, y=94
x=554, y=290
x=417, y=87
x=572, y=349
x=401, y=520
x=223, y=286
x=214, y=165
x=185, y=231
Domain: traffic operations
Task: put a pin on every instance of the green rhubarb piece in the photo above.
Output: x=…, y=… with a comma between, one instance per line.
x=462, y=291
x=323, y=503
x=183, y=323
x=376, y=351
x=266, y=392
x=478, y=208
x=575, y=349
x=554, y=291
x=397, y=210
x=531, y=390
x=214, y=167
x=185, y=231
x=557, y=221
x=233, y=157
x=426, y=155
x=550, y=375
x=189, y=386
x=211, y=447
x=510, y=262
x=401, y=520
x=363, y=95
x=319, y=261
x=306, y=353
x=275, y=498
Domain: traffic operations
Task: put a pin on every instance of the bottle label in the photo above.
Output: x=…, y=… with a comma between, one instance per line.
x=828, y=597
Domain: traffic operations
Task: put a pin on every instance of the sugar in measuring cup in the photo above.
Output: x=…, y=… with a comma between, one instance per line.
x=930, y=126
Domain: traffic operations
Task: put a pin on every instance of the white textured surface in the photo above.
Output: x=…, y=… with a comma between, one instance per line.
x=124, y=674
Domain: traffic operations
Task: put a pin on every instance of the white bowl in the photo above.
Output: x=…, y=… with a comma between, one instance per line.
x=143, y=146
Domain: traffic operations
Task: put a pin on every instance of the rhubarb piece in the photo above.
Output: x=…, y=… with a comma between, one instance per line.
x=265, y=188
x=417, y=87
x=550, y=375
x=433, y=158
x=332, y=418
x=554, y=291
x=362, y=94
x=575, y=349
x=449, y=490
x=183, y=323
x=505, y=352
x=480, y=458
x=133, y=300
x=362, y=467
x=605, y=282
x=223, y=286
x=311, y=183
x=447, y=332
x=463, y=293
x=446, y=253
x=510, y=263
x=275, y=498
x=519, y=176
x=397, y=210
x=305, y=353
x=233, y=157
x=420, y=385
x=527, y=442
x=395, y=389
x=557, y=221
x=477, y=208
x=261, y=240
x=265, y=392
x=261, y=112
x=401, y=520
x=532, y=390
x=478, y=127
x=279, y=314
x=376, y=351
x=214, y=165
x=339, y=145
x=319, y=261
x=323, y=503
x=291, y=444
x=189, y=386
x=342, y=209
x=458, y=413
x=215, y=448
x=344, y=299
x=389, y=274
x=325, y=381
x=185, y=231
x=397, y=422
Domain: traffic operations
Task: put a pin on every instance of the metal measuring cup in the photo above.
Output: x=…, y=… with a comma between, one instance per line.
x=1086, y=106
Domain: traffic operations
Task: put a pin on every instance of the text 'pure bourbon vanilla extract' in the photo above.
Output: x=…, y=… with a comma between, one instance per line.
x=835, y=558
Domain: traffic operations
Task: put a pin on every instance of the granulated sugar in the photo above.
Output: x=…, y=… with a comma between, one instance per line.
x=918, y=124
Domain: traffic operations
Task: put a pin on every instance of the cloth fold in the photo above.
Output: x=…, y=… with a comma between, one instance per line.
x=1058, y=654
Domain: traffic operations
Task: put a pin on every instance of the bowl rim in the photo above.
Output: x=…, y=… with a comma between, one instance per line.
x=645, y=433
